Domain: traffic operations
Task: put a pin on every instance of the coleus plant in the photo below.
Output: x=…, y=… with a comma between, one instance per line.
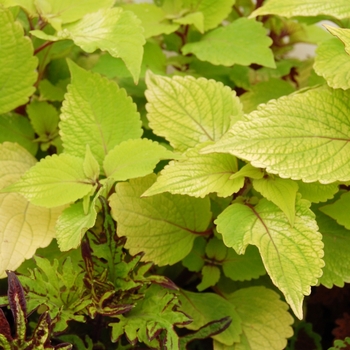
x=173, y=173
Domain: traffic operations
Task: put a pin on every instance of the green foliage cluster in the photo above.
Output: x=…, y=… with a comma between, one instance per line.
x=170, y=177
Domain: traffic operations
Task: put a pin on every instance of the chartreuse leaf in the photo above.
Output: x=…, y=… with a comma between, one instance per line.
x=207, y=307
x=67, y=11
x=155, y=314
x=50, y=92
x=198, y=175
x=114, y=30
x=28, y=5
x=134, y=158
x=162, y=226
x=195, y=18
x=210, y=276
x=96, y=112
x=339, y=210
x=281, y=192
x=343, y=34
x=316, y=192
x=265, y=322
x=333, y=63
x=301, y=136
x=336, y=239
x=17, y=64
x=16, y=128
x=24, y=227
x=243, y=42
x=188, y=111
x=338, y=8
x=153, y=19
x=214, y=12
x=55, y=180
x=292, y=255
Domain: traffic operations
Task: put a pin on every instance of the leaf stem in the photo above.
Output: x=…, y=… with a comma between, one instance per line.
x=42, y=47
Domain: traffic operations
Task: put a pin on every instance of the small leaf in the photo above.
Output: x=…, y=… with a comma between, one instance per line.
x=17, y=64
x=195, y=18
x=292, y=255
x=134, y=158
x=162, y=226
x=316, y=192
x=210, y=276
x=188, y=111
x=242, y=42
x=90, y=165
x=96, y=113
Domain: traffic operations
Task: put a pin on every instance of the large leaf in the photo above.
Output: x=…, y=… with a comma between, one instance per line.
x=337, y=8
x=301, y=136
x=24, y=227
x=54, y=181
x=188, y=111
x=198, y=175
x=162, y=226
x=243, y=42
x=96, y=113
x=114, y=30
x=292, y=255
x=17, y=64
x=199, y=306
x=266, y=324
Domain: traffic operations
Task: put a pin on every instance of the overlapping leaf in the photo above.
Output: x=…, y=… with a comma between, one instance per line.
x=302, y=136
x=162, y=226
x=188, y=111
x=316, y=192
x=343, y=34
x=292, y=255
x=17, y=64
x=242, y=42
x=96, y=113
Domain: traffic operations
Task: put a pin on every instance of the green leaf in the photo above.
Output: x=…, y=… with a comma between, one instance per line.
x=67, y=11
x=301, y=136
x=134, y=158
x=16, y=128
x=194, y=261
x=153, y=19
x=242, y=42
x=199, y=306
x=195, y=18
x=214, y=12
x=281, y=192
x=17, y=64
x=114, y=30
x=333, y=63
x=343, y=34
x=24, y=227
x=243, y=267
x=188, y=111
x=264, y=318
x=56, y=180
x=338, y=8
x=292, y=255
x=210, y=276
x=198, y=175
x=316, y=192
x=162, y=226
x=96, y=113
x=90, y=165
x=50, y=92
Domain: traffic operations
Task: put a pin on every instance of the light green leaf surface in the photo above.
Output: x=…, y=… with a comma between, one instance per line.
x=198, y=175
x=17, y=64
x=55, y=180
x=292, y=255
x=114, y=30
x=16, y=128
x=244, y=42
x=302, y=136
x=266, y=324
x=195, y=18
x=199, y=306
x=281, y=192
x=153, y=19
x=162, y=226
x=333, y=63
x=338, y=8
x=50, y=92
x=67, y=11
x=134, y=158
x=336, y=241
x=210, y=276
x=96, y=112
x=343, y=34
x=339, y=210
x=24, y=227
x=249, y=171
x=243, y=267
x=27, y=5
x=188, y=111
x=316, y=192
